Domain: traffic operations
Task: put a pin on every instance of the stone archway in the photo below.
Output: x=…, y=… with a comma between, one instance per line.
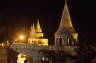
x=24, y=58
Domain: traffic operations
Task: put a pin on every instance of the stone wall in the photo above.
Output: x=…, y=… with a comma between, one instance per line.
x=3, y=55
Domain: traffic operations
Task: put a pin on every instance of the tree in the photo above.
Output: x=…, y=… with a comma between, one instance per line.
x=55, y=56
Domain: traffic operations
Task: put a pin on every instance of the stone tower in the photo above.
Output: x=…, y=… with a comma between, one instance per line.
x=36, y=36
x=66, y=34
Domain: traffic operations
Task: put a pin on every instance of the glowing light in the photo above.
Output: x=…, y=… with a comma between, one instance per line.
x=4, y=45
x=75, y=36
x=22, y=57
x=21, y=37
x=43, y=58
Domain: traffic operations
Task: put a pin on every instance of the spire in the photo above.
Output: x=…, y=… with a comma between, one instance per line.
x=66, y=35
x=65, y=1
x=38, y=28
x=33, y=30
x=65, y=24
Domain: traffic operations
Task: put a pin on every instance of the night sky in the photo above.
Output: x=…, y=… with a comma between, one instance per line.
x=18, y=16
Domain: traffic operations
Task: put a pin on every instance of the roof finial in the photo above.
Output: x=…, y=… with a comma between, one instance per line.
x=65, y=1
x=38, y=27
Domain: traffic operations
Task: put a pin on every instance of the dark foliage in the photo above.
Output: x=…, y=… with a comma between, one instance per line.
x=85, y=54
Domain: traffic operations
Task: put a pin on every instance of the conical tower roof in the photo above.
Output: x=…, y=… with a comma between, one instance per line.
x=65, y=24
x=38, y=27
x=33, y=30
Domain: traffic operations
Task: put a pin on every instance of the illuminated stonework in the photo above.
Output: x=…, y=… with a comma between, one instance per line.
x=37, y=36
x=24, y=58
x=66, y=35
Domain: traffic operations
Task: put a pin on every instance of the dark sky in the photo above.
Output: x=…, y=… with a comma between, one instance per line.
x=17, y=15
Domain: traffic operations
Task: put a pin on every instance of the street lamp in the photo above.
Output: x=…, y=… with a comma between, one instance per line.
x=21, y=37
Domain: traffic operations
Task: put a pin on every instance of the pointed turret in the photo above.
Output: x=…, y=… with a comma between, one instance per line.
x=65, y=24
x=38, y=28
x=65, y=34
x=36, y=36
x=33, y=31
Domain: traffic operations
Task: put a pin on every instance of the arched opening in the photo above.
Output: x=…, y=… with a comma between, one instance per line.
x=24, y=58
x=72, y=41
x=60, y=42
